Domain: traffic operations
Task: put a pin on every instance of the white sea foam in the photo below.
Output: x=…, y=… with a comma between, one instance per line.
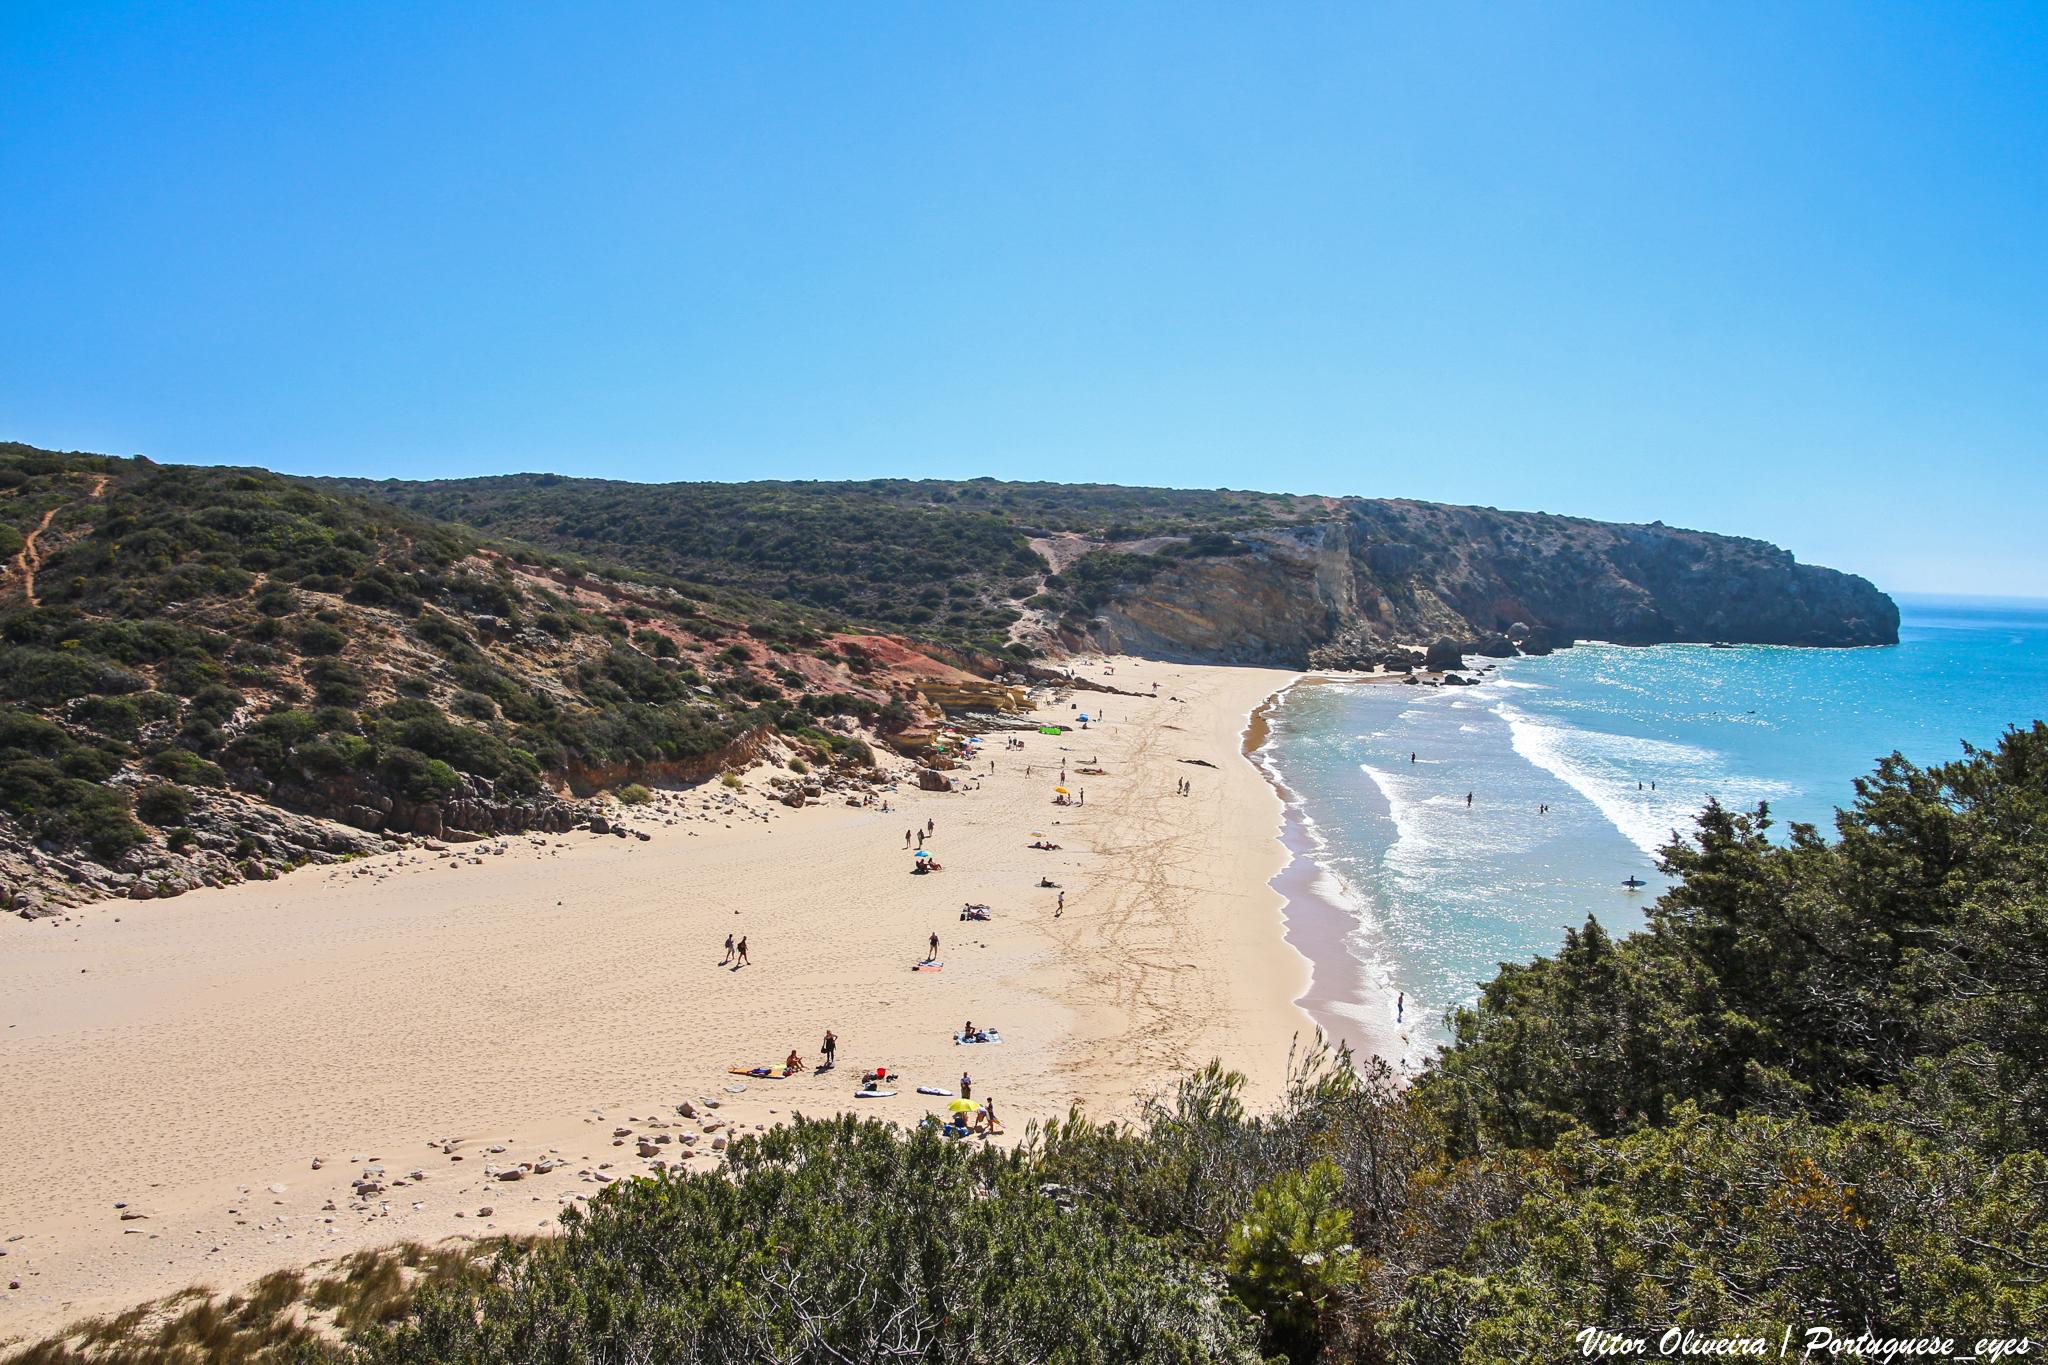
x=1407, y=827
x=1613, y=772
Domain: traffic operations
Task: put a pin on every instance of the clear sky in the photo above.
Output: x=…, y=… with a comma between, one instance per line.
x=1775, y=269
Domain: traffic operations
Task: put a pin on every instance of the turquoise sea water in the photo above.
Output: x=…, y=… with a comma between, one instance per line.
x=1622, y=745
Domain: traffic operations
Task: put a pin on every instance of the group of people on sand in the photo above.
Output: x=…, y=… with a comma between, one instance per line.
x=1183, y=787
x=828, y=1051
x=735, y=953
x=970, y=1034
x=1043, y=844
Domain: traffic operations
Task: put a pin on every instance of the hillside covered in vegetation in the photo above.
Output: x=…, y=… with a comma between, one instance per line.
x=1809, y=1097
x=1212, y=575
x=189, y=651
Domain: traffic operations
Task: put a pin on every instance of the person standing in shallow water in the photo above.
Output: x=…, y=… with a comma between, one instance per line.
x=1468, y=800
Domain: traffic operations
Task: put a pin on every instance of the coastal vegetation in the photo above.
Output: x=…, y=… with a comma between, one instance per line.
x=1007, y=566
x=176, y=632
x=1809, y=1093
x=947, y=559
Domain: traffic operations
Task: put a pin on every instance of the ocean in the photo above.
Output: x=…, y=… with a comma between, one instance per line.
x=1578, y=767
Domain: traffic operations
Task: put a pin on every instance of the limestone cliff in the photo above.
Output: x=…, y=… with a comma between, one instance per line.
x=1387, y=574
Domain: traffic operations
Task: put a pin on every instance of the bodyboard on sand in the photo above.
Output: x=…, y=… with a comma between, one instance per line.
x=873, y=1094
x=932, y=1090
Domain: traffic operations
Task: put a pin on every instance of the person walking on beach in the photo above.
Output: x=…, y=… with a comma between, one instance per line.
x=1061, y=908
x=906, y=837
x=933, y=956
x=966, y=1086
x=929, y=827
x=744, y=962
x=728, y=951
x=1400, y=1007
x=830, y=1047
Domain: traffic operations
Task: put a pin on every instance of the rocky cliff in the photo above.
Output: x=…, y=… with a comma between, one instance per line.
x=1362, y=586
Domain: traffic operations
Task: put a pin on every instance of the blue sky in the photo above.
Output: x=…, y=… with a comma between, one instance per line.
x=1773, y=269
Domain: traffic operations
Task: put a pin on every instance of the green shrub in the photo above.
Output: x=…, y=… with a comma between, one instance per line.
x=163, y=804
x=634, y=794
x=185, y=767
x=320, y=638
x=836, y=1240
x=1290, y=1257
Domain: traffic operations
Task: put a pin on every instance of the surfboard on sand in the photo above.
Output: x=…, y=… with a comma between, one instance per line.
x=932, y=1090
x=873, y=1094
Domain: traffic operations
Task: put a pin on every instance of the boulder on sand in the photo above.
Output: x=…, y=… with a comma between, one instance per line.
x=1444, y=655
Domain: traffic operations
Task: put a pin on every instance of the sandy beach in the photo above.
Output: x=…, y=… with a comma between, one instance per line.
x=191, y=1059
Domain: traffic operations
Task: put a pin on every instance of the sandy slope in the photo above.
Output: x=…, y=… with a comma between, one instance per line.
x=185, y=1056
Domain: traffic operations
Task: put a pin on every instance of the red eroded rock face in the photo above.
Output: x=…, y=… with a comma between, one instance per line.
x=894, y=660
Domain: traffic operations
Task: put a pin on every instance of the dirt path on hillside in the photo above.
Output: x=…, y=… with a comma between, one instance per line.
x=31, y=557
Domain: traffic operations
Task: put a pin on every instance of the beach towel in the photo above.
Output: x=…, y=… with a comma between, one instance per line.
x=927, y=966
x=989, y=1036
x=761, y=1073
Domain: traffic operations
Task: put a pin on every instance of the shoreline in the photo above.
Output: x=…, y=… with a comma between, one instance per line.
x=521, y=998
x=1348, y=1006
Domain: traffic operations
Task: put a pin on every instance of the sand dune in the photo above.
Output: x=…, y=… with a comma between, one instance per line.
x=183, y=1057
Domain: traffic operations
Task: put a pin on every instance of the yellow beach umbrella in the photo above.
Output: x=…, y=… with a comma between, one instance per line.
x=1062, y=791
x=964, y=1106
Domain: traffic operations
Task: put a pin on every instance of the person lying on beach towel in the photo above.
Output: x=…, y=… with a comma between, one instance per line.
x=1042, y=844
